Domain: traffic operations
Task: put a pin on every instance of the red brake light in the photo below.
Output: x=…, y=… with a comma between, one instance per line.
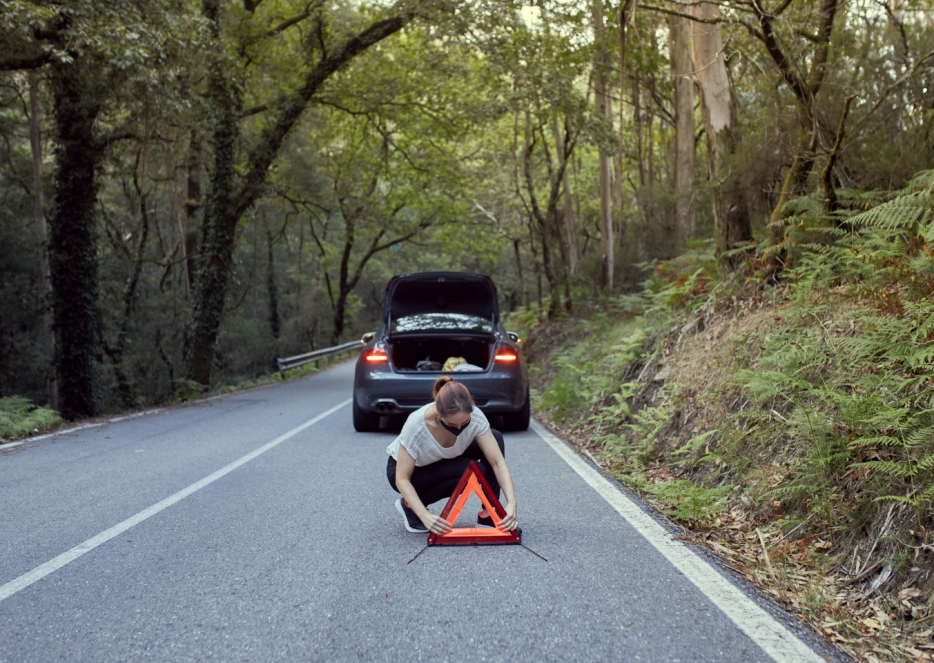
x=376, y=355
x=506, y=356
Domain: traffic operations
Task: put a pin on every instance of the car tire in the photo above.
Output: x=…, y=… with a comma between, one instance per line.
x=364, y=422
x=518, y=421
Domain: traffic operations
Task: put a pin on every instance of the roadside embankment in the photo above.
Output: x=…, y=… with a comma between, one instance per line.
x=788, y=426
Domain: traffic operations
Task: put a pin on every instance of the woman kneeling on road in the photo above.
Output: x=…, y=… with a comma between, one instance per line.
x=436, y=445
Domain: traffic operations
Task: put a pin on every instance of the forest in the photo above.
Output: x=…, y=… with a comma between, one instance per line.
x=192, y=189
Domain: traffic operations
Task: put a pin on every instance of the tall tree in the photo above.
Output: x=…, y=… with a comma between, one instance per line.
x=570, y=226
x=682, y=72
x=38, y=207
x=602, y=102
x=721, y=128
x=228, y=197
x=88, y=51
x=805, y=84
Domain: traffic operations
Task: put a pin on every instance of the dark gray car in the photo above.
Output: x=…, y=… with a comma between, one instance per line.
x=431, y=321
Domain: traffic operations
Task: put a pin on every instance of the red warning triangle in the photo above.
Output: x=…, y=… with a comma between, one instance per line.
x=473, y=482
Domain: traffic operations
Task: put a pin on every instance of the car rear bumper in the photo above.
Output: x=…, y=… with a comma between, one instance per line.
x=496, y=392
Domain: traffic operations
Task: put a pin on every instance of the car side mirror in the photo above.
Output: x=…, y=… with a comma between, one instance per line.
x=514, y=336
x=366, y=338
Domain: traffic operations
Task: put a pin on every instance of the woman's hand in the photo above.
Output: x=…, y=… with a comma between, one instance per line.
x=508, y=523
x=436, y=524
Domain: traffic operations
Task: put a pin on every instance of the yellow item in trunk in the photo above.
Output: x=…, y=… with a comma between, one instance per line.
x=452, y=362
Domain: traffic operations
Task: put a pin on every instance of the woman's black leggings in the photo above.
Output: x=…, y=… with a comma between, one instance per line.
x=437, y=481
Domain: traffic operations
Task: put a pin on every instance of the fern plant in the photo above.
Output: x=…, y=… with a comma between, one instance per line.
x=19, y=417
x=854, y=385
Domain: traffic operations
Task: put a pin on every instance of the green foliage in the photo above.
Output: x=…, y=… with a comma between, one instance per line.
x=681, y=499
x=418, y=139
x=592, y=377
x=850, y=377
x=20, y=417
x=563, y=395
x=837, y=411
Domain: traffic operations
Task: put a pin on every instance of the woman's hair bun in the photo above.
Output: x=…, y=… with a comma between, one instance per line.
x=452, y=400
x=440, y=382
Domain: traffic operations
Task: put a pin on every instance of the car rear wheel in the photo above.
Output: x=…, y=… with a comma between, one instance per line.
x=364, y=422
x=519, y=420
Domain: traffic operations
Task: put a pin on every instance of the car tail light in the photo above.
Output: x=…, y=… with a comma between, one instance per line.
x=506, y=356
x=375, y=356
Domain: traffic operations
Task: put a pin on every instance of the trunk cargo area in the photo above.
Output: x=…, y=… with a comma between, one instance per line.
x=407, y=352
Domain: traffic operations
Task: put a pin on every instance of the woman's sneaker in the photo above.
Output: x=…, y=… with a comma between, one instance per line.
x=485, y=521
x=411, y=521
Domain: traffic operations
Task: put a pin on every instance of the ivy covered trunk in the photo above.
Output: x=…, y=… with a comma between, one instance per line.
x=228, y=197
x=219, y=231
x=72, y=240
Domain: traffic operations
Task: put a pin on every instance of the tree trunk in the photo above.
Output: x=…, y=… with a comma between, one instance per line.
x=680, y=49
x=541, y=220
x=796, y=178
x=805, y=91
x=602, y=106
x=275, y=325
x=649, y=91
x=570, y=228
x=637, y=118
x=731, y=215
x=72, y=242
x=625, y=11
x=523, y=286
x=38, y=207
x=192, y=206
x=117, y=353
x=536, y=267
x=340, y=305
x=219, y=220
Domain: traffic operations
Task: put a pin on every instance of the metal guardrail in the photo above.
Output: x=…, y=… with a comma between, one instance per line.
x=285, y=363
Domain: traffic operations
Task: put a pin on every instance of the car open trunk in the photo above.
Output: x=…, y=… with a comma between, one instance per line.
x=471, y=295
x=438, y=315
x=407, y=351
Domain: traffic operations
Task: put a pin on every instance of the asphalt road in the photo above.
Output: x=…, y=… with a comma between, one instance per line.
x=224, y=531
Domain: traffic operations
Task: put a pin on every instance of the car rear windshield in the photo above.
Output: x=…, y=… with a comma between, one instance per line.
x=441, y=322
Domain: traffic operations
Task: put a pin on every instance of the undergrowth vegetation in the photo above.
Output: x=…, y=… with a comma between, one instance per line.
x=19, y=417
x=789, y=422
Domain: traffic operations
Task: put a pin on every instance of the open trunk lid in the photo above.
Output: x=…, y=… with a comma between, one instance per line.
x=440, y=301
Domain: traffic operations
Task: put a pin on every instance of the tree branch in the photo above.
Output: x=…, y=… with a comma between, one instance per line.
x=885, y=93
x=265, y=152
x=826, y=176
x=709, y=21
x=828, y=12
x=278, y=29
x=781, y=60
x=901, y=30
x=118, y=134
x=23, y=64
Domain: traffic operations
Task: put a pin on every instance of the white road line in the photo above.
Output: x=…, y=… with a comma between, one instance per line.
x=777, y=641
x=38, y=573
x=68, y=431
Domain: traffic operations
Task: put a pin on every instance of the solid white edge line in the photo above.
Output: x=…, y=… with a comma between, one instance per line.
x=38, y=573
x=67, y=431
x=776, y=640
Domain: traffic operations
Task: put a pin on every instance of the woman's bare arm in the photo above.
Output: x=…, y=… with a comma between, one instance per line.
x=494, y=457
x=405, y=465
